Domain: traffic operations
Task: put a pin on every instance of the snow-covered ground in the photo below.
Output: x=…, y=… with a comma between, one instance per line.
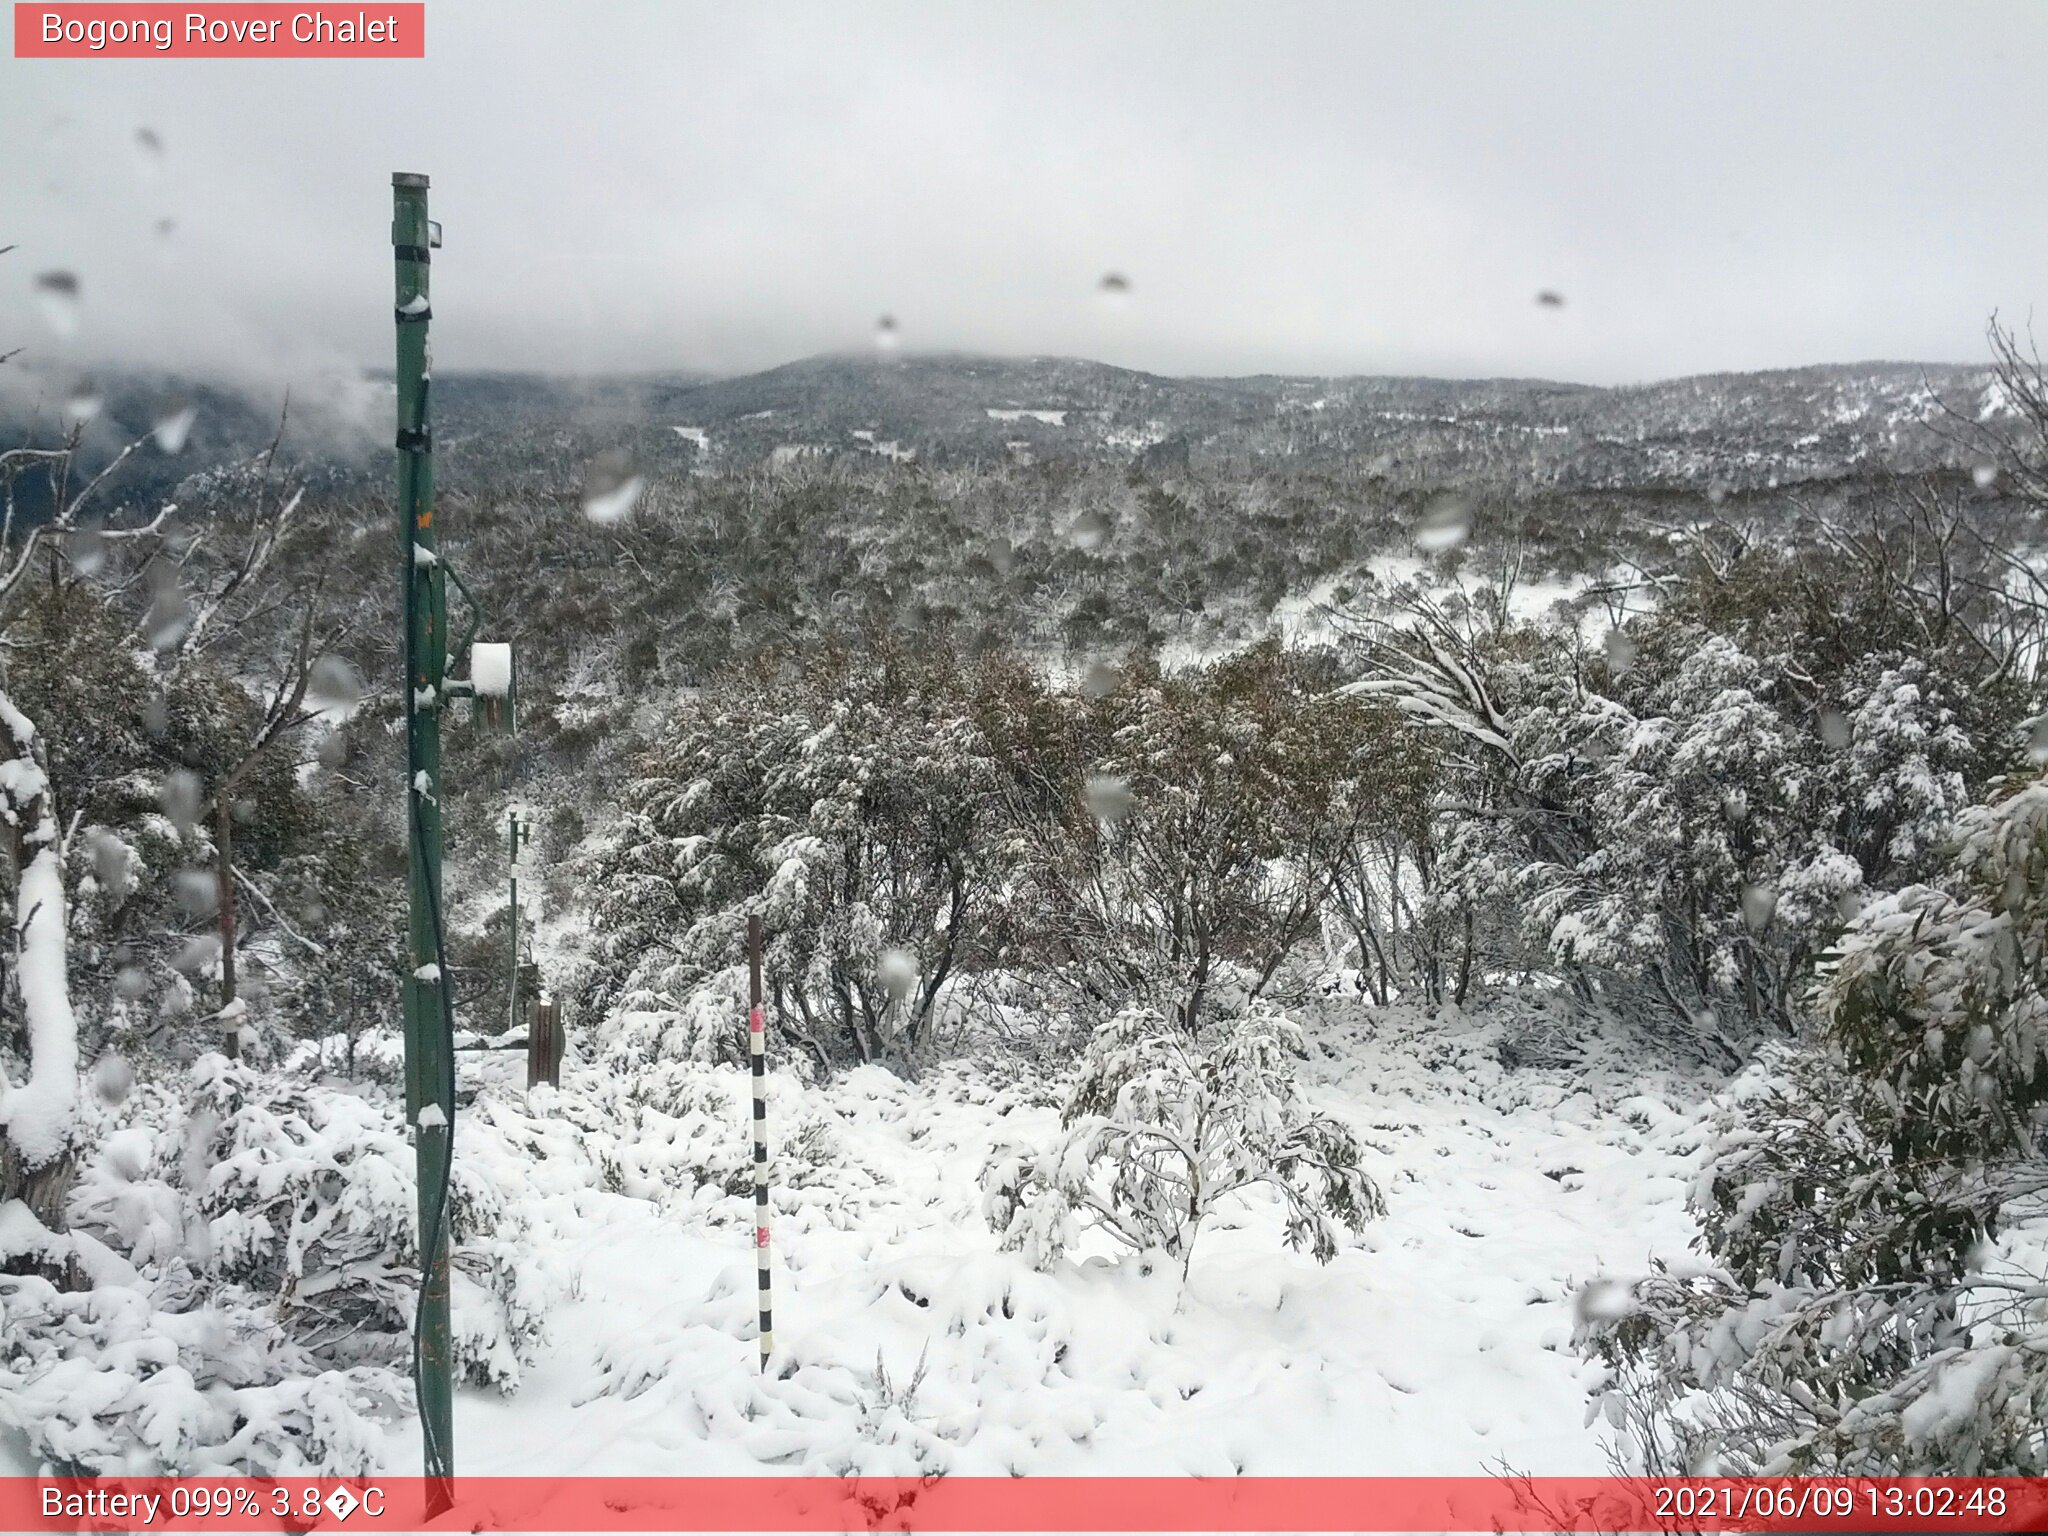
x=907, y=1342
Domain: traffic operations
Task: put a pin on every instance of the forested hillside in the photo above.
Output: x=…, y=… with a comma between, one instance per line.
x=1134, y=776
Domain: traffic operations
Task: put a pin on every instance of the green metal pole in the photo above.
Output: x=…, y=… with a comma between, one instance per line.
x=429, y=1060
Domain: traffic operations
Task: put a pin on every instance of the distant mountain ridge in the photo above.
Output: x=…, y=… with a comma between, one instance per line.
x=1735, y=429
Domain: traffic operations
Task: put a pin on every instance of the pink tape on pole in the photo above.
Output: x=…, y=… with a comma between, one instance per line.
x=760, y=1237
x=756, y=1020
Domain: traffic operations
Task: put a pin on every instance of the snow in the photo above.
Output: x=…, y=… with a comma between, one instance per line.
x=39, y=1113
x=695, y=435
x=1528, y=599
x=907, y=1342
x=1047, y=418
x=490, y=668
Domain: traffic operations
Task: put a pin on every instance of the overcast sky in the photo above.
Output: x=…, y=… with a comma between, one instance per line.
x=1289, y=187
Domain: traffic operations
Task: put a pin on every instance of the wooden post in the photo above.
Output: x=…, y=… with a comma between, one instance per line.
x=757, y=1054
x=544, y=1040
x=536, y=1047
x=551, y=1033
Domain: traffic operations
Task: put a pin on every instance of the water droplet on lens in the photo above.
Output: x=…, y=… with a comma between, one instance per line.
x=2037, y=742
x=168, y=618
x=1550, y=298
x=198, y=954
x=887, y=337
x=174, y=425
x=897, y=970
x=156, y=715
x=57, y=292
x=180, y=798
x=1759, y=904
x=81, y=405
x=1986, y=476
x=112, y=865
x=149, y=151
x=1621, y=653
x=1102, y=679
x=333, y=685
x=131, y=981
x=1849, y=906
x=1445, y=524
x=1090, y=530
x=87, y=551
x=1107, y=797
x=611, y=487
x=112, y=1078
x=1834, y=728
x=197, y=892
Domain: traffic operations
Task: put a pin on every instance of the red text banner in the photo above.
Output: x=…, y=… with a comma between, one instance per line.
x=221, y=31
x=1049, y=1504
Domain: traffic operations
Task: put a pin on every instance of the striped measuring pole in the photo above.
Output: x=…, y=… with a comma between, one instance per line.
x=757, y=1053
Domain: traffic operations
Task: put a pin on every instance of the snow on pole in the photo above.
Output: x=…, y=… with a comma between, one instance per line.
x=757, y=1053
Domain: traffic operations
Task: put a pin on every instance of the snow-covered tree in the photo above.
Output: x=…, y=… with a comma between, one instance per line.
x=843, y=794
x=1198, y=821
x=1681, y=819
x=1875, y=1205
x=38, y=1114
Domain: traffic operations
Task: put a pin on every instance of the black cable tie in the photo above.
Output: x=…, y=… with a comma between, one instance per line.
x=410, y=441
x=416, y=253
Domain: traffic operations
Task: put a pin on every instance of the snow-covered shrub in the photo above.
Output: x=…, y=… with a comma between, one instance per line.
x=1162, y=1127
x=246, y=1249
x=1873, y=1205
x=309, y=1197
x=106, y=1381
x=708, y=1024
x=1539, y=1038
x=668, y=1128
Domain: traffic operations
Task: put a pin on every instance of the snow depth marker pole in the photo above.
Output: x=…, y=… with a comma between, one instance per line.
x=757, y=1053
x=429, y=1046
x=515, y=839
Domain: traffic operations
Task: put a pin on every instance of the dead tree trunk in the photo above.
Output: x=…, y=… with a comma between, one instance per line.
x=36, y=1144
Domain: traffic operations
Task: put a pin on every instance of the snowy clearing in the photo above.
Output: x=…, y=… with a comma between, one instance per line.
x=907, y=1343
